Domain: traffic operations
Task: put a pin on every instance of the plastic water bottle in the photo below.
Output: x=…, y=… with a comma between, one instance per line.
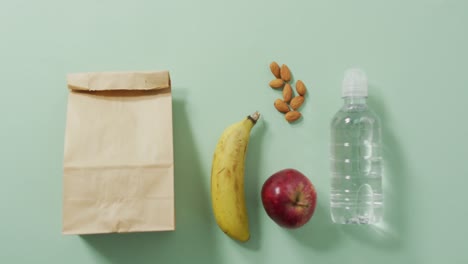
x=356, y=162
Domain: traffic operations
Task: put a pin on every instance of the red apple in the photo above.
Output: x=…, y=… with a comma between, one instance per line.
x=289, y=198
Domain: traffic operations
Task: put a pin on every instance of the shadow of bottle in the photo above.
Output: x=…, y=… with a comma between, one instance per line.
x=390, y=233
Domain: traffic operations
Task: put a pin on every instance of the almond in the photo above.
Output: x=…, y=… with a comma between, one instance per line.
x=285, y=73
x=296, y=102
x=292, y=116
x=300, y=88
x=281, y=106
x=287, y=93
x=275, y=69
x=277, y=83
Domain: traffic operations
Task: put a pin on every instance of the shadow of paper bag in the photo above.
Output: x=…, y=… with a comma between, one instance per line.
x=118, y=156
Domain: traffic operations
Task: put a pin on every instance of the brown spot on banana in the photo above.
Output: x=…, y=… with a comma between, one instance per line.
x=236, y=186
x=221, y=170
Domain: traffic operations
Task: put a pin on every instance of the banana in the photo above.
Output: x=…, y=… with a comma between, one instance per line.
x=227, y=179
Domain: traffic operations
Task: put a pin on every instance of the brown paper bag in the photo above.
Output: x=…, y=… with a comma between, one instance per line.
x=118, y=157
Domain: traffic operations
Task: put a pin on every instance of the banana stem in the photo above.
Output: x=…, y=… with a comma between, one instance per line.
x=254, y=117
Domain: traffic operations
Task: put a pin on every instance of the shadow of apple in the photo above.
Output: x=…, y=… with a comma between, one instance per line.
x=319, y=233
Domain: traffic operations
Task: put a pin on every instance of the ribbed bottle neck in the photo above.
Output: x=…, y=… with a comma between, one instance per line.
x=355, y=100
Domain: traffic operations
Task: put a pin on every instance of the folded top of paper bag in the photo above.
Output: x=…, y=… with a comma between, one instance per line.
x=101, y=81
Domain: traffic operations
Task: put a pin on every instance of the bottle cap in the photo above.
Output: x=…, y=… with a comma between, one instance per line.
x=354, y=83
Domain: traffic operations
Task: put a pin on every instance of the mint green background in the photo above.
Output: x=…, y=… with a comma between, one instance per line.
x=415, y=54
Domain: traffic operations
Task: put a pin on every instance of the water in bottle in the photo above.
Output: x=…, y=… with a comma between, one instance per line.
x=356, y=162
